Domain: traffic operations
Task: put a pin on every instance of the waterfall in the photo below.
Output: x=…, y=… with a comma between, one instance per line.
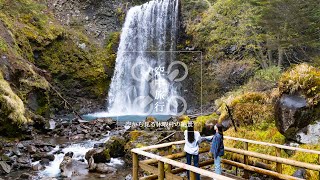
x=146, y=47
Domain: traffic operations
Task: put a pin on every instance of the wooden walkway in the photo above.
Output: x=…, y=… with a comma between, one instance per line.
x=168, y=167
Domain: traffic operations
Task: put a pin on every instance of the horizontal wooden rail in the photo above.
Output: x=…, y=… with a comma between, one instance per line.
x=272, y=145
x=275, y=159
x=174, y=156
x=236, y=139
x=181, y=165
x=160, y=173
x=157, y=146
x=260, y=170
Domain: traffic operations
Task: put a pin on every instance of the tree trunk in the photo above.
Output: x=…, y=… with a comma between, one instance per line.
x=280, y=56
x=263, y=60
x=271, y=62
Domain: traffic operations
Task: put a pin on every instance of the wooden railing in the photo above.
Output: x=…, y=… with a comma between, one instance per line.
x=155, y=165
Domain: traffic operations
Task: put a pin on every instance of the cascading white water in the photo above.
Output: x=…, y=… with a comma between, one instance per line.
x=147, y=42
x=79, y=150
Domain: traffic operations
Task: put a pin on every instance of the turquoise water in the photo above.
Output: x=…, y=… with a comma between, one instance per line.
x=124, y=118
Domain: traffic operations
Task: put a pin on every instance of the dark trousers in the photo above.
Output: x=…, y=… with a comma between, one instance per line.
x=195, y=163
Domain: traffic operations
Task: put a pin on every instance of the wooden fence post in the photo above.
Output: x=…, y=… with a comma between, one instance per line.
x=245, y=159
x=169, y=153
x=135, y=166
x=278, y=165
x=192, y=175
x=319, y=164
x=160, y=170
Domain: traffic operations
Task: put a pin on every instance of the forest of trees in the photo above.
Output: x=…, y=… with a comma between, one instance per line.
x=274, y=33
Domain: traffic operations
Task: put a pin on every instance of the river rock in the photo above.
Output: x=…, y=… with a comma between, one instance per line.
x=26, y=176
x=300, y=173
x=99, y=155
x=65, y=165
x=45, y=161
x=104, y=169
x=23, y=160
x=31, y=149
x=128, y=177
x=296, y=120
x=4, y=168
x=20, y=145
x=39, y=156
x=100, y=167
x=69, y=154
x=16, y=151
x=98, y=145
x=115, y=145
x=37, y=167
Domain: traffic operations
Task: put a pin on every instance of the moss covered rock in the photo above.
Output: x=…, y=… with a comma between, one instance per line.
x=115, y=146
x=12, y=110
x=99, y=155
x=37, y=49
x=303, y=79
x=298, y=109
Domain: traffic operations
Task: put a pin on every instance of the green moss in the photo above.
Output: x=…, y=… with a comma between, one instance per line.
x=249, y=108
x=140, y=145
x=106, y=153
x=3, y=46
x=134, y=135
x=200, y=122
x=31, y=24
x=250, y=97
x=112, y=44
x=73, y=65
x=12, y=110
x=304, y=79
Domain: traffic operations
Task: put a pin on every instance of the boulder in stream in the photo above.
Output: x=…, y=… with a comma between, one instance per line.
x=115, y=145
x=65, y=165
x=100, y=167
x=99, y=155
x=40, y=156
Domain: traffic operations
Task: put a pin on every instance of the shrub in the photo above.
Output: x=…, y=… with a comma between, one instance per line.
x=264, y=79
x=248, y=108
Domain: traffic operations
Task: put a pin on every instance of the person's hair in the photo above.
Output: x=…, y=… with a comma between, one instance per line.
x=190, y=132
x=220, y=129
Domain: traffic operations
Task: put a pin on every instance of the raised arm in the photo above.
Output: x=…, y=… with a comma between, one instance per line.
x=207, y=138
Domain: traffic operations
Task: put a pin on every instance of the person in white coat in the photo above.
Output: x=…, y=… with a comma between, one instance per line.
x=191, y=147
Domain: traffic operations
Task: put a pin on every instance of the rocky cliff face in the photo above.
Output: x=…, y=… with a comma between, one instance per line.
x=99, y=18
x=55, y=52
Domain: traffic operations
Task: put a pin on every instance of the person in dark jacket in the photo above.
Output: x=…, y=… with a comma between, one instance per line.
x=217, y=147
